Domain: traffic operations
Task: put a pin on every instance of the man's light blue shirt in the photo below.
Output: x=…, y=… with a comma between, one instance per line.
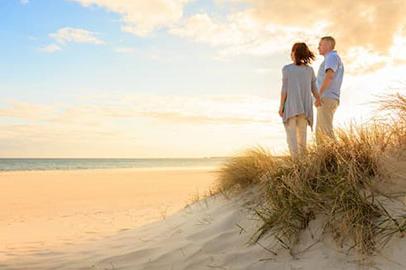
x=331, y=61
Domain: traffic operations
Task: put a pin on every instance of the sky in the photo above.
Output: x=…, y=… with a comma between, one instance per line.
x=179, y=78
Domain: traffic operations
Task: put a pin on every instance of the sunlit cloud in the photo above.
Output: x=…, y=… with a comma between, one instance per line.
x=218, y=110
x=133, y=125
x=51, y=48
x=398, y=50
x=26, y=110
x=241, y=33
x=125, y=50
x=75, y=35
x=175, y=109
x=366, y=31
x=369, y=23
x=67, y=35
x=363, y=60
x=142, y=17
x=363, y=30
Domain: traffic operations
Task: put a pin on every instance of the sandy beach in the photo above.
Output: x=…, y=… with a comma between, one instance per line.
x=47, y=211
x=212, y=233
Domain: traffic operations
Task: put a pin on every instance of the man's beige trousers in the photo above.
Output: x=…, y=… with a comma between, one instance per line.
x=325, y=117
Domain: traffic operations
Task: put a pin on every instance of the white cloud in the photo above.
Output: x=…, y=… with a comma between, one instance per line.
x=364, y=60
x=24, y=2
x=241, y=33
x=111, y=125
x=71, y=35
x=51, y=48
x=141, y=17
x=263, y=28
x=367, y=32
x=368, y=23
x=236, y=109
x=106, y=124
x=76, y=35
x=201, y=27
x=233, y=110
x=125, y=50
x=27, y=111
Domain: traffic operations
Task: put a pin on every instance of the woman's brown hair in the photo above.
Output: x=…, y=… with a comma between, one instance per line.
x=302, y=53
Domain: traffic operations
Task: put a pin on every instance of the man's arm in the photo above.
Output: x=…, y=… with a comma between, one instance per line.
x=315, y=90
x=327, y=80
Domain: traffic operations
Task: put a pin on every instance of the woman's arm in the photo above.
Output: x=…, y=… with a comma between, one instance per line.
x=284, y=95
x=284, y=91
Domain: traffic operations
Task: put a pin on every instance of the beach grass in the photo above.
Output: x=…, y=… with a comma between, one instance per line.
x=337, y=181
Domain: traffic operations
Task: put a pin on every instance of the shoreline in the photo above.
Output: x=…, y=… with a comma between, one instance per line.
x=169, y=168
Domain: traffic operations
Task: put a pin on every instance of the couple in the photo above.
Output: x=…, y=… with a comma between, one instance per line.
x=299, y=82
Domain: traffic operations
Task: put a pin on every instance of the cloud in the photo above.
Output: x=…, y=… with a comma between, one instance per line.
x=51, y=48
x=367, y=26
x=125, y=50
x=70, y=35
x=111, y=125
x=169, y=109
x=142, y=17
x=264, y=28
x=176, y=117
x=368, y=23
x=24, y=2
x=229, y=110
x=241, y=33
x=363, y=60
x=27, y=111
x=366, y=31
x=75, y=35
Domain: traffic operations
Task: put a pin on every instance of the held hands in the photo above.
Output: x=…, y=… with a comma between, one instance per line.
x=317, y=103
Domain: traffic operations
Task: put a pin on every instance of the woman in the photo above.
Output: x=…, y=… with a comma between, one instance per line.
x=296, y=107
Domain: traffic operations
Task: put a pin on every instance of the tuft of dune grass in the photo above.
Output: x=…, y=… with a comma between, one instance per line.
x=336, y=180
x=245, y=169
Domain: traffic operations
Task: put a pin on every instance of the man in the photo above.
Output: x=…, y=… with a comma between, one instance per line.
x=329, y=80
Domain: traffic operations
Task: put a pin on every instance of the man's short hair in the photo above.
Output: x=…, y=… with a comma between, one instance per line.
x=331, y=40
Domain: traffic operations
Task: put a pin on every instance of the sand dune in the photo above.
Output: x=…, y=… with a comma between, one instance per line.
x=211, y=234
x=214, y=234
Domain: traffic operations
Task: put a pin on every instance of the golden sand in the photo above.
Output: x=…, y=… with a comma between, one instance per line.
x=48, y=209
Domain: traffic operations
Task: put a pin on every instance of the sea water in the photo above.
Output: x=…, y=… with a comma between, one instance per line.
x=29, y=164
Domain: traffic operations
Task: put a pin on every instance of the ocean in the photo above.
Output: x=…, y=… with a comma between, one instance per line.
x=30, y=164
